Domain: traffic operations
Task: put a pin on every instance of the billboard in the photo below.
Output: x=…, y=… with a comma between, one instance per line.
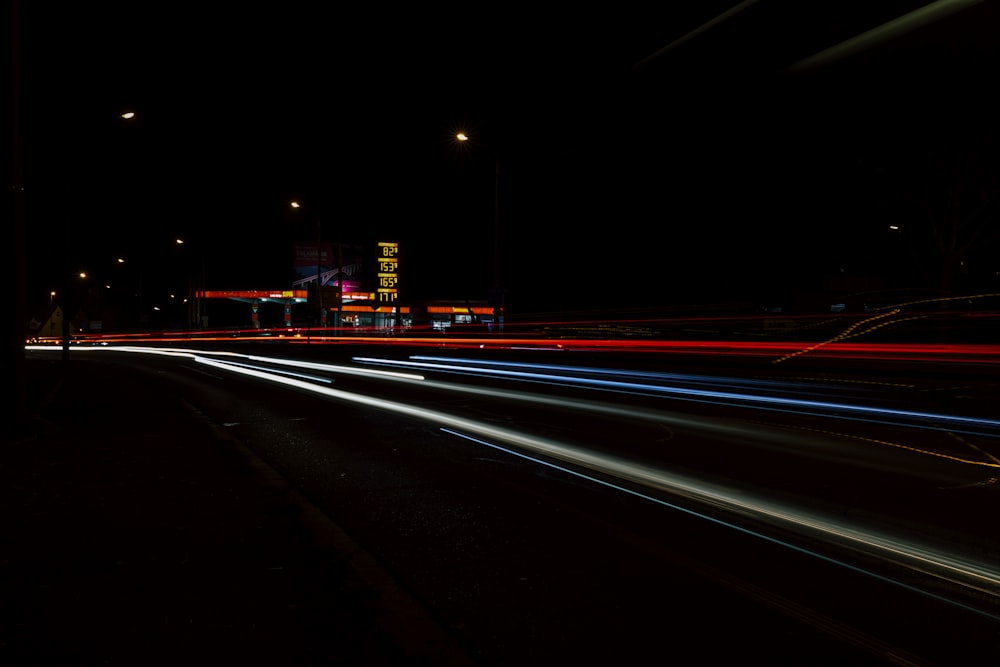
x=308, y=255
x=339, y=265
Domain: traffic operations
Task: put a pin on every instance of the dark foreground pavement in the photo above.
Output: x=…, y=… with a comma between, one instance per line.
x=136, y=533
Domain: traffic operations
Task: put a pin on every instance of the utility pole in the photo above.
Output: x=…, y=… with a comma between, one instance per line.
x=319, y=271
x=16, y=343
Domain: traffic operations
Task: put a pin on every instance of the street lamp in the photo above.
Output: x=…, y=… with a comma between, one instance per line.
x=463, y=138
x=195, y=283
x=67, y=291
x=319, y=265
x=196, y=310
x=319, y=272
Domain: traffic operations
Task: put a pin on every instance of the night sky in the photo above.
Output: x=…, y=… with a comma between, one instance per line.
x=709, y=173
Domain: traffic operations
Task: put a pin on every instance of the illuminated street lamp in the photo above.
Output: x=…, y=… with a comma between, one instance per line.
x=319, y=271
x=67, y=289
x=463, y=138
x=196, y=284
x=319, y=264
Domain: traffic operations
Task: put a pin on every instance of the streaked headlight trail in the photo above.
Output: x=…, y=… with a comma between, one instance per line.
x=922, y=558
x=573, y=376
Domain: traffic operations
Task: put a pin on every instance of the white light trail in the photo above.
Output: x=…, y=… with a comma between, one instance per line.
x=527, y=370
x=897, y=27
x=977, y=572
x=955, y=568
x=915, y=419
x=332, y=368
x=716, y=427
x=302, y=376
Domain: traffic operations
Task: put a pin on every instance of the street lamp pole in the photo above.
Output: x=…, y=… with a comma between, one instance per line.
x=319, y=271
x=496, y=229
x=196, y=306
x=66, y=310
x=462, y=137
x=190, y=260
x=319, y=265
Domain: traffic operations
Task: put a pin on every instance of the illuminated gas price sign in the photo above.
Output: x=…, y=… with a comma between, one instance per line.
x=387, y=261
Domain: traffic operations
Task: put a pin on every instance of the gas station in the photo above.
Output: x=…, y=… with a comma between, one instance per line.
x=343, y=297
x=332, y=297
x=358, y=309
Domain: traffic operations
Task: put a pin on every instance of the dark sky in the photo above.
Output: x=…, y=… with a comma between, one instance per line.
x=707, y=172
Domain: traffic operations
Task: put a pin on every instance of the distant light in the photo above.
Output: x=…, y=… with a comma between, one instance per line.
x=128, y=115
x=894, y=227
x=180, y=241
x=295, y=204
x=83, y=274
x=121, y=260
x=461, y=136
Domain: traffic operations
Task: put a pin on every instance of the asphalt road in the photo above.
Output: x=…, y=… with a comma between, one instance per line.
x=544, y=520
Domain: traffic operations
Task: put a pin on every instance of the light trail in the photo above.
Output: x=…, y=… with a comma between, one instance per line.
x=335, y=368
x=985, y=575
x=797, y=385
x=959, y=571
x=301, y=376
x=195, y=354
x=921, y=558
x=923, y=420
x=715, y=427
x=776, y=351
x=931, y=562
x=933, y=11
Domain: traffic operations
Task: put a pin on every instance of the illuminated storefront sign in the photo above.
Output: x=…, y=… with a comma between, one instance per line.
x=460, y=310
x=252, y=294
